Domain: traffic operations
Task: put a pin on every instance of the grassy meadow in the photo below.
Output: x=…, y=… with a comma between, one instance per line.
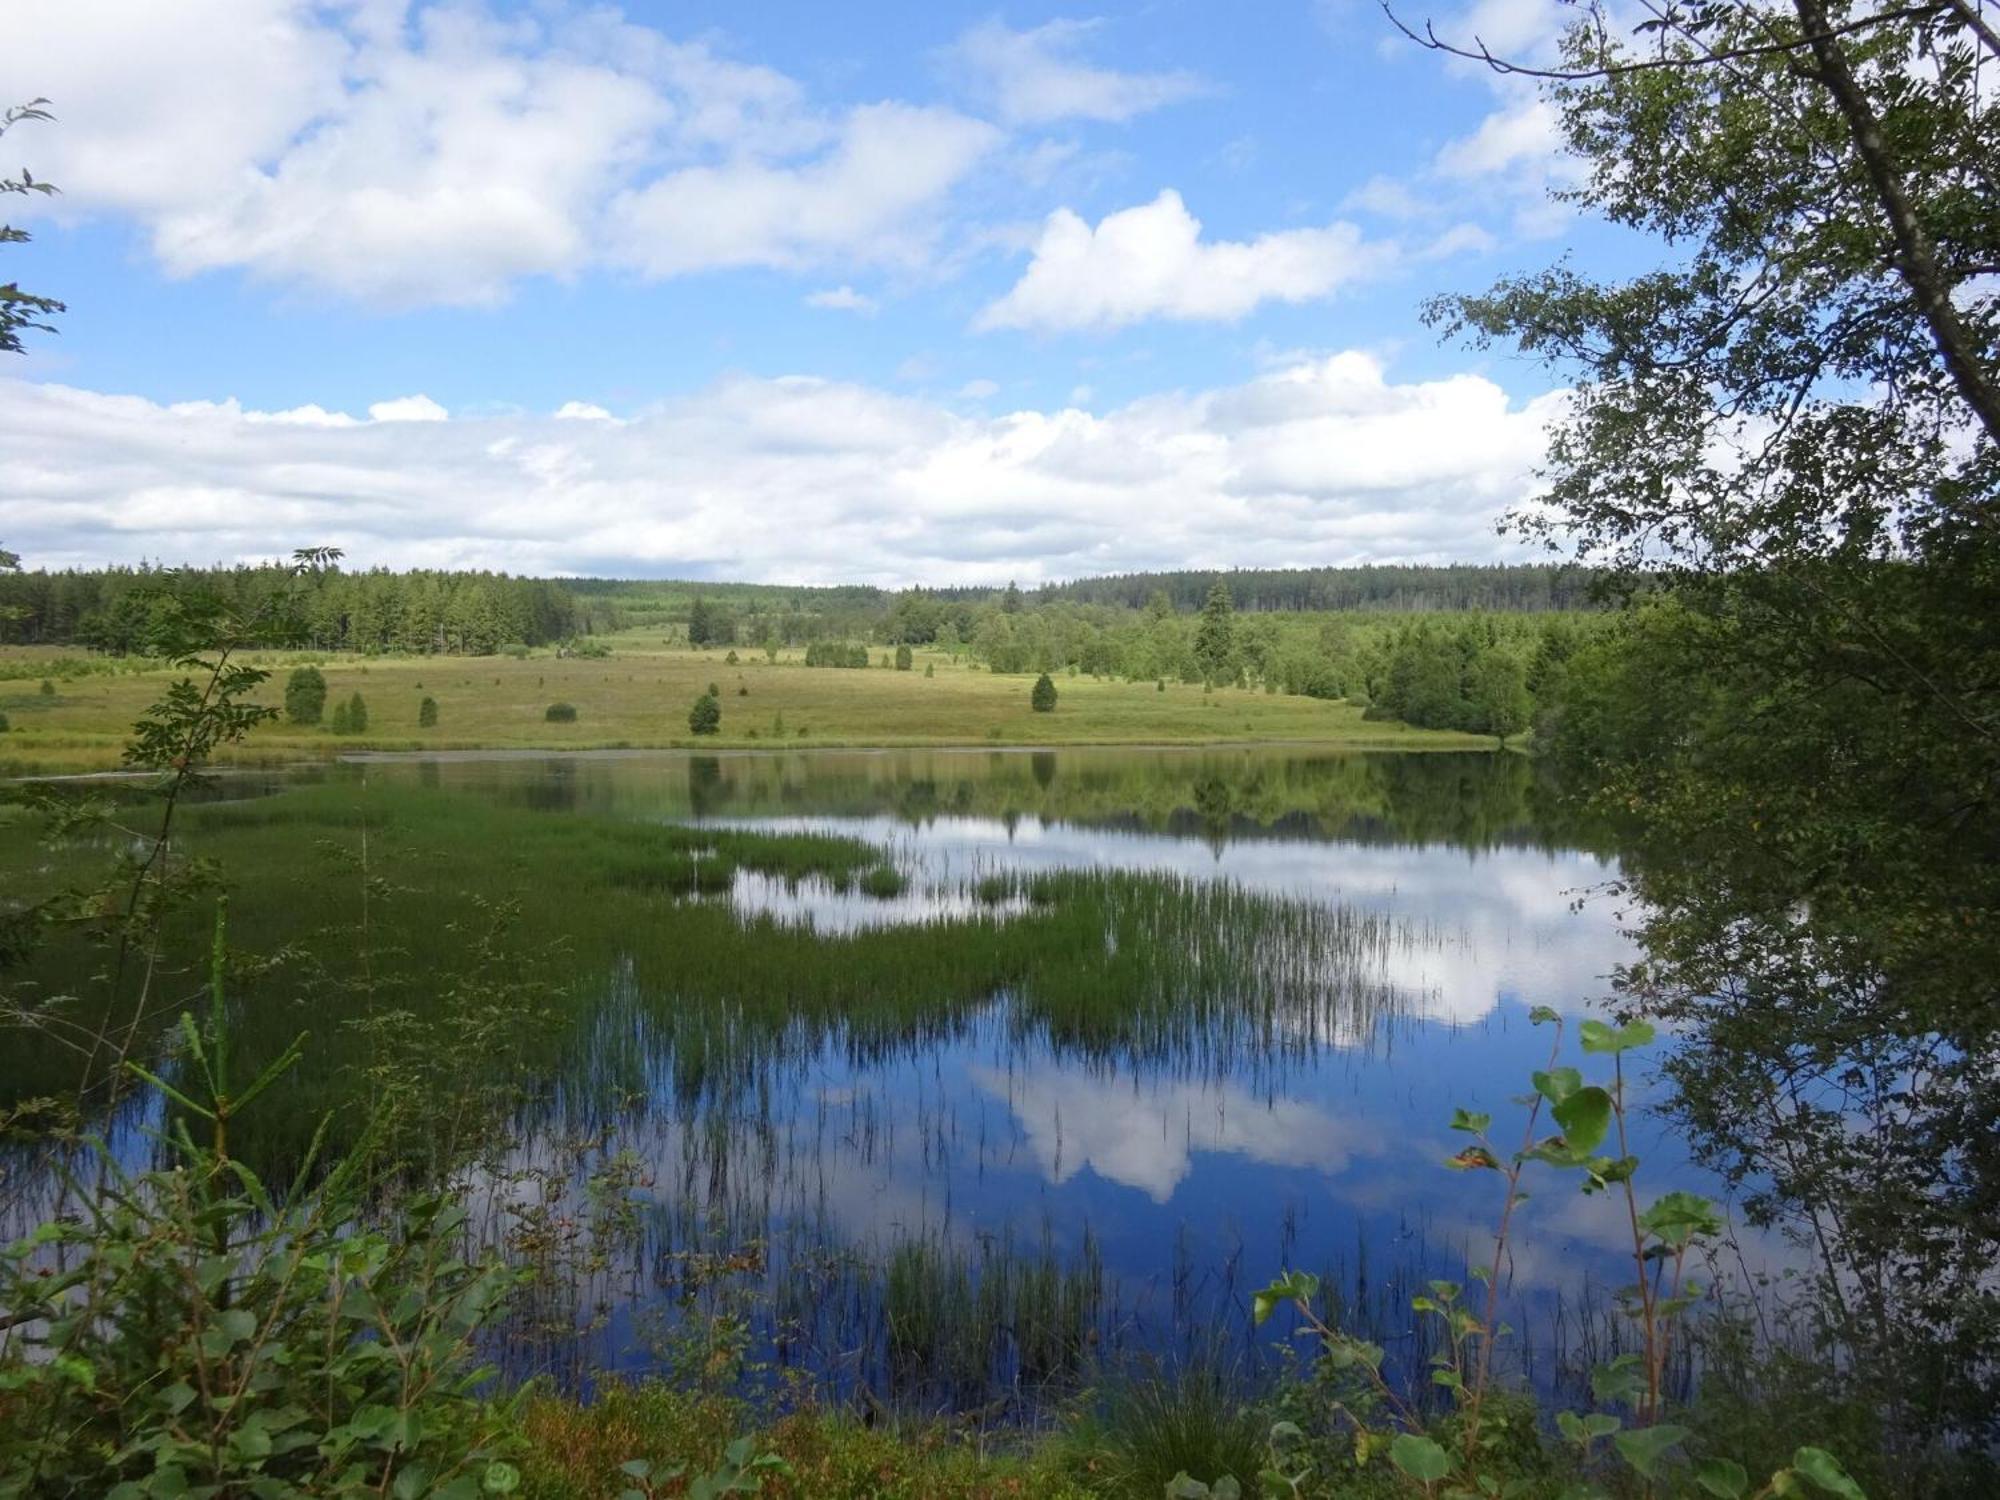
x=638, y=698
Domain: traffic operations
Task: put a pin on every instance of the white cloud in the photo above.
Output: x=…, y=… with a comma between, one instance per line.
x=403, y=154
x=1151, y=262
x=1324, y=461
x=418, y=408
x=862, y=201
x=1033, y=77
x=843, y=299
x=582, y=411
x=979, y=390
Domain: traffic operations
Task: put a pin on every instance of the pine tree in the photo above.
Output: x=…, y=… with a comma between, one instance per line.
x=357, y=715
x=1215, y=637
x=706, y=715
x=305, y=695
x=1043, y=698
x=427, y=713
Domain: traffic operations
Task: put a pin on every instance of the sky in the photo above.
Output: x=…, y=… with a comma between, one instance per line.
x=888, y=293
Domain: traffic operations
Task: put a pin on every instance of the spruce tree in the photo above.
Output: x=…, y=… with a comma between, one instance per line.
x=1043, y=698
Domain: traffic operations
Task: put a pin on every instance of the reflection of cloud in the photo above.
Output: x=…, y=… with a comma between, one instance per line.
x=1145, y=1135
x=1483, y=925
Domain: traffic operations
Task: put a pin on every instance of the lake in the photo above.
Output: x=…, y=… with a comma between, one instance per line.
x=927, y=1076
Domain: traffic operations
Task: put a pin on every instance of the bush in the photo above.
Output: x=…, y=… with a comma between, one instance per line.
x=305, y=695
x=48, y=688
x=427, y=713
x=339, y=725
x=706, y=715
x=357, y=715
x=196, y=1332
x=515, y=649
x=4, y=725
x=560, y=713
x=903, y=659
x=1043, y=696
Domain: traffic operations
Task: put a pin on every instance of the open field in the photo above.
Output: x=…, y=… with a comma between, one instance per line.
x=639, y=698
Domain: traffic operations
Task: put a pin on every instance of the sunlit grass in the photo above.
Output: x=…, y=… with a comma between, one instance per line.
x=639, y=697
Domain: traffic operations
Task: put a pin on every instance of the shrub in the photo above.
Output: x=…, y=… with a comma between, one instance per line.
x=706, y=715
x=903, y=659
x=305, y=695
x=357, y=715
x=730, y=659
x=1043, y=697
x=340, y=723
x=930, y=669
x=515, y=649
x=4, y=725
x=48, y=688
x=195, y=1332
x=427, y=713
x=560, y=713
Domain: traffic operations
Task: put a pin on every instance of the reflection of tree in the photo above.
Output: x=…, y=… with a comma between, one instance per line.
x=706, y=792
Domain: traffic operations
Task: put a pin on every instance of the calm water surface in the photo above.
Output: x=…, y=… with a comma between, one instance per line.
x=1393, y=920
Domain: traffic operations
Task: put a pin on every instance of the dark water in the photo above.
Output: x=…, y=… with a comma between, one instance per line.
x=959, y=1206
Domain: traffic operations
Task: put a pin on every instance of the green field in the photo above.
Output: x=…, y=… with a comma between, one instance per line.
x=639, y=698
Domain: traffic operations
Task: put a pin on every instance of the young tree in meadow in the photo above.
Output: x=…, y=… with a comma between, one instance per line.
x=904, y=659
x=1215, y=636
x=427, y=713
x=1042, y=698
x=706, y=715
x=305, y=695
x=357, y=715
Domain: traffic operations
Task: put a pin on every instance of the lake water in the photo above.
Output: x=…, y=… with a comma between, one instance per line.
x=1137, y=1031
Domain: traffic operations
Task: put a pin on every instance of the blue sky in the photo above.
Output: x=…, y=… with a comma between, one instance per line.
x=891, y=292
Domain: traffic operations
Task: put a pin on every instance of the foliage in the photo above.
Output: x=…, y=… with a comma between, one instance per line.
x=21, y=311
x=1042, y=698
x=560, y=713
x=191, y=1332
x=353, y=716
x=904, y=660
x=1474, y=1453
x=1795, y=421
x=305, y=695
x=427, y=713
x=706, y=715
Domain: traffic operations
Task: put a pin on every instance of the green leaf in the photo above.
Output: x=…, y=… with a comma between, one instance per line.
x=1677, y=1218
x=1620, y=1380
x=1542, y=1015
x=1419, y=1457
x=1824, y=1470
x=1471, y=1121
x=501, y=1478
x=1722, y=1477
x=1585, y=1117
x=1294, y=1286
x=637, y=1468
x=1644, y=1447
x=1557, y=1084
x=1598, y=1037
x=1183, y=1486
x=1473, y=1159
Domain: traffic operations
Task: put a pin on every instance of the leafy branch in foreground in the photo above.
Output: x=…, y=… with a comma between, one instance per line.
x=1472, y=1454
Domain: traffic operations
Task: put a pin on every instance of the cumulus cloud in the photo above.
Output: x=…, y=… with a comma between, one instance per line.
x=418, y=408
x=401, y=154
x=1151, y=262
x=1324, y=461
x=862, y=200
x=842, y=299
x=1034, y=77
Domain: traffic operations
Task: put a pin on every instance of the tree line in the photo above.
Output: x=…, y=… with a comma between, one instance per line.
x=119, y=610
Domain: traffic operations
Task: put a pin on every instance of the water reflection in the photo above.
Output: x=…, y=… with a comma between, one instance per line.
x=1158, y=1022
